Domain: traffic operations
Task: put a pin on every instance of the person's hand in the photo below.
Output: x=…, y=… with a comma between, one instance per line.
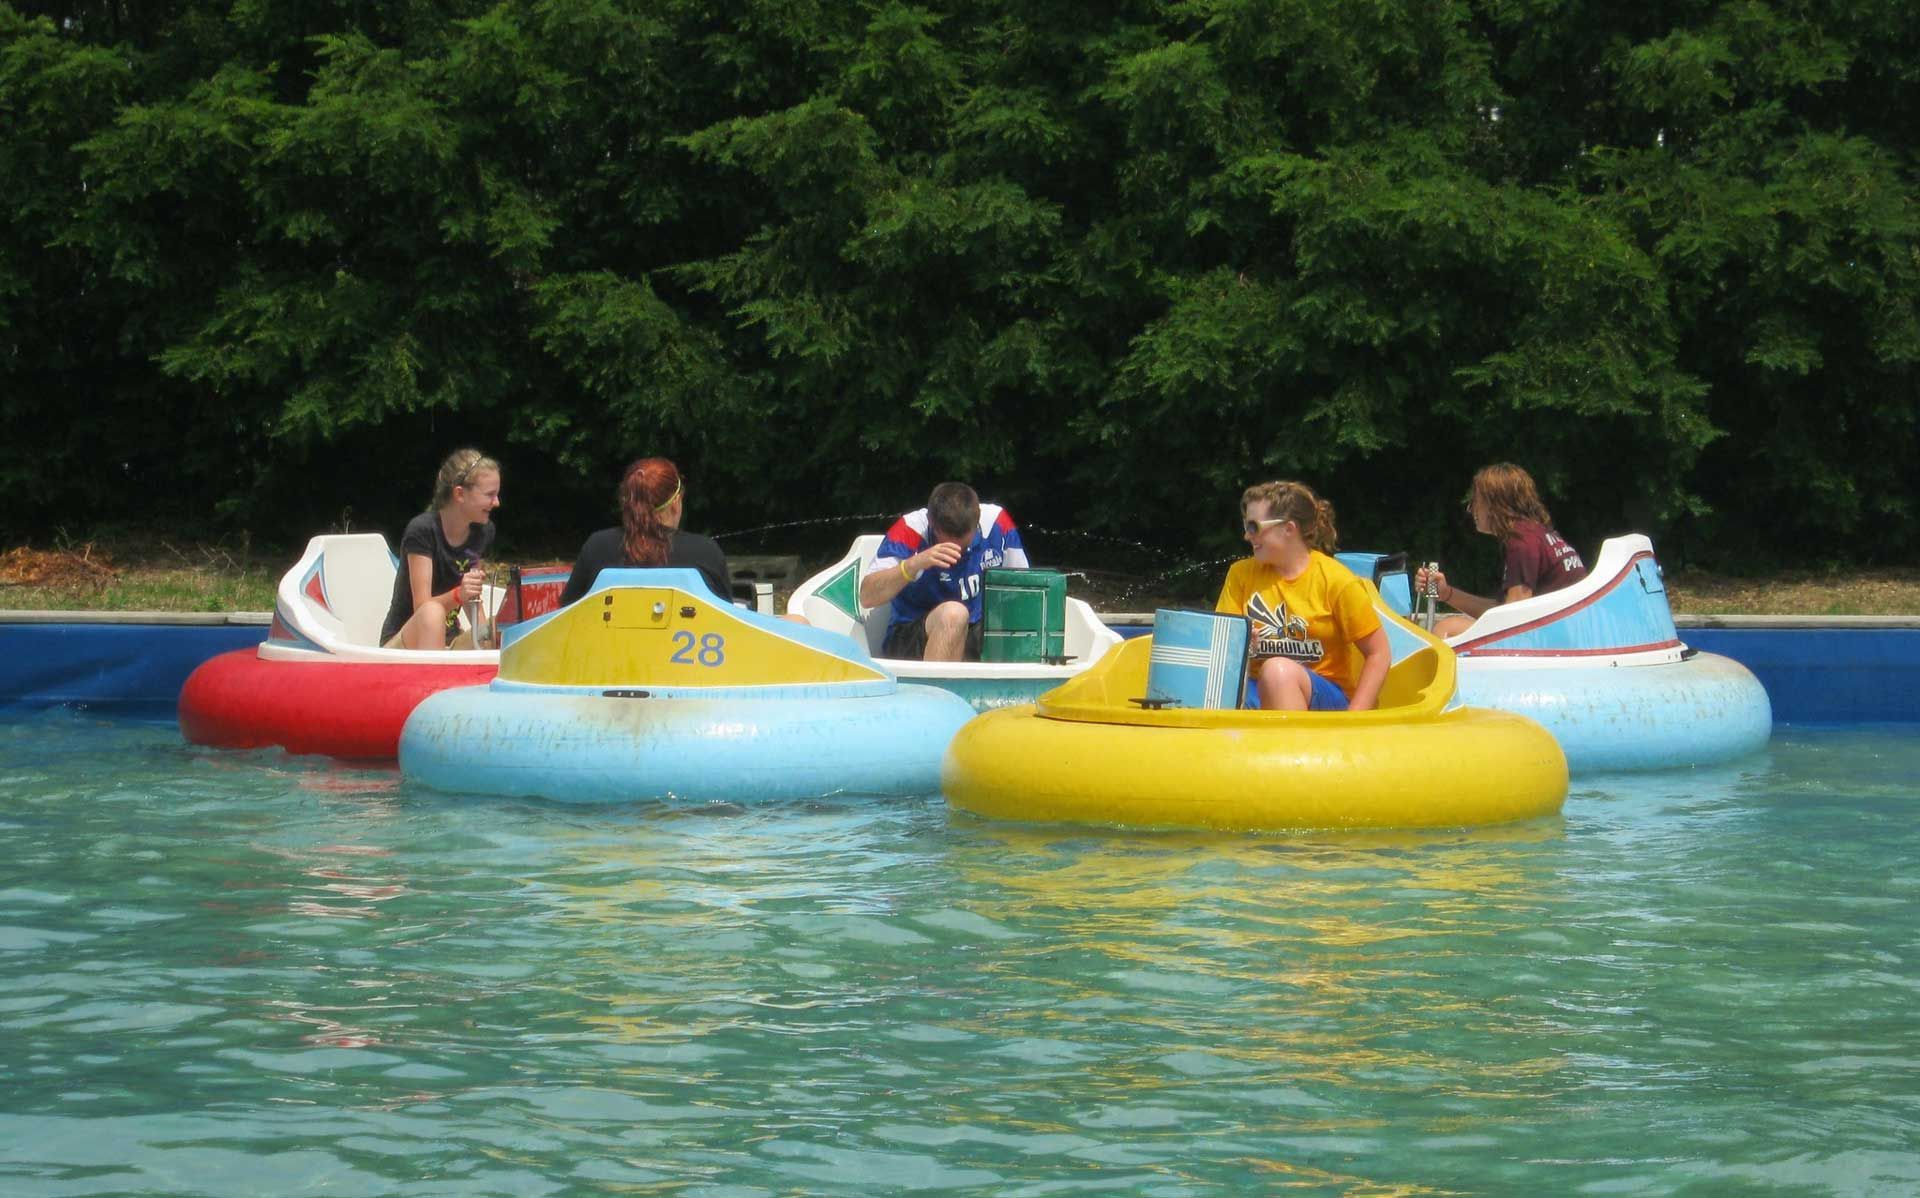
x=1441, y=588
x=941, y=555
x=470, y=584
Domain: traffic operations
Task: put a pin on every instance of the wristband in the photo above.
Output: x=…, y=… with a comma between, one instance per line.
x=1448, y=597
x=906, y=575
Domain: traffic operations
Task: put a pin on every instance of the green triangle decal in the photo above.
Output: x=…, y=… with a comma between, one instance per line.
x=843, y=590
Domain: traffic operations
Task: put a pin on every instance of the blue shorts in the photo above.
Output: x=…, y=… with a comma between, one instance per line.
x=1326, y=696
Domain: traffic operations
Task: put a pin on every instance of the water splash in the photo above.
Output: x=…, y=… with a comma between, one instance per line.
x=1140, y=547
x=1167, y=580
x=1164, y=570
x=888, y=517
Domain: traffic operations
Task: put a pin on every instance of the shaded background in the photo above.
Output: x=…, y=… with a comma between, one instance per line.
x=264, y=265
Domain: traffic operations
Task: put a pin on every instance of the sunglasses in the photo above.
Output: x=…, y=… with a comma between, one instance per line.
x=1255, y=527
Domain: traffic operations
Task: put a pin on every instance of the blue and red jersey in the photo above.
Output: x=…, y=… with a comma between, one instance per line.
x=996, y=544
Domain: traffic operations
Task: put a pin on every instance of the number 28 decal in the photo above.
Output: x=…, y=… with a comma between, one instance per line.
x=709, y=650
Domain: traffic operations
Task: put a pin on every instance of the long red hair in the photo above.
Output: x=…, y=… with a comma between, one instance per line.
x=649, y=485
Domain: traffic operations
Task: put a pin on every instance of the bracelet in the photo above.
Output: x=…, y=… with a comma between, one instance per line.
x=908, y=576
x=1448, y=597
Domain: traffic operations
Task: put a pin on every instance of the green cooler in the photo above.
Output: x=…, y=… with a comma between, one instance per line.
x=1024, y=616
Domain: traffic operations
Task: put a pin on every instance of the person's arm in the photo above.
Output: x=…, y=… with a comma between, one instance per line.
x=1463, y=601
x=719, y=573
x=1524, y=566
x=1459, y=600
x=420, y=582
x=882, y=584
x=578, y=579
x=1376, y=657
x=1013, y=551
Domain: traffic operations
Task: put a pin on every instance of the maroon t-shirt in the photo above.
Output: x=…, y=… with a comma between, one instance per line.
x=1539, y=560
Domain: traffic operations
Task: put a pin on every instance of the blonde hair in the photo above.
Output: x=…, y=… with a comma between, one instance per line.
x=457, y=471
x=1296, y=502
x=1509, y=496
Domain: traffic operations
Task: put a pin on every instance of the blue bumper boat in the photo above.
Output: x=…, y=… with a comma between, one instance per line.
x=651, y=687
x=1602, y=666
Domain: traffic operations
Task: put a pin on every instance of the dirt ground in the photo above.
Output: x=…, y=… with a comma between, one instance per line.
x=69, y=570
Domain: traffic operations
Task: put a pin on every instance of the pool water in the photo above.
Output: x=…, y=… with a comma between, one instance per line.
x=246, y=974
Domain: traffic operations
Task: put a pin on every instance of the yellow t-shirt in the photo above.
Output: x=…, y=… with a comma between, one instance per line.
x=1314, y=619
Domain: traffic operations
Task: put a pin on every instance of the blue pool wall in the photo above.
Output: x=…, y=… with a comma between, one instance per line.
x=1826, y=675
x=1836, y=670
x=131, y=664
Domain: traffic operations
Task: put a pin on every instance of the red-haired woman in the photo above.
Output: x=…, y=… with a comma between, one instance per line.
x=653, y=497
x=1315, y=641
x=1506, y=506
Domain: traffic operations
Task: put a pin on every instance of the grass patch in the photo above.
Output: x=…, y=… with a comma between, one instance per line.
x=159, y=576
x=93, y=577
x=1889, y=592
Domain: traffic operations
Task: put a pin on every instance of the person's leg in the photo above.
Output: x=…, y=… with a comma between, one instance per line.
x=947, y=632
x=1447, y=627
x=426, y=628
x=1284, y=685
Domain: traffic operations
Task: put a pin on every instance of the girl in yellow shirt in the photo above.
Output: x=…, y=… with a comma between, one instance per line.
x=1316, y=643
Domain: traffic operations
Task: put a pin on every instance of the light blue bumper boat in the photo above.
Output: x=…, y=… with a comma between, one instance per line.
x=650, y=687
x=1603, y=667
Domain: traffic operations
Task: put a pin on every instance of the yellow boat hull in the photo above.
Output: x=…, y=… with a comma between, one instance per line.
x=1461, y=768
x=1088, y=752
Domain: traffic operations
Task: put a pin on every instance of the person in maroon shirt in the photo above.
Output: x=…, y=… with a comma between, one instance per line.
x=1506, y=506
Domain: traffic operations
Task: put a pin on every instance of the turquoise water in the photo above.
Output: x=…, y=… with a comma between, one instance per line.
x=246, y=974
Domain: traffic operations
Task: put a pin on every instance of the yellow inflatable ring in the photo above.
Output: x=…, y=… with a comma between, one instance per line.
x=1085, y=753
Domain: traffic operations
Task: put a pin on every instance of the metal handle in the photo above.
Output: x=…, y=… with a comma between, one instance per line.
x=472, y=609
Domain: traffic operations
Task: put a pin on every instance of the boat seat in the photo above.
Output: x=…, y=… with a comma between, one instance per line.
x=831, y=600
x=1390, y=574
x=342, y=589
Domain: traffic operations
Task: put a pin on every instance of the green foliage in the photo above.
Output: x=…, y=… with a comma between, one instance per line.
x=1112, y=264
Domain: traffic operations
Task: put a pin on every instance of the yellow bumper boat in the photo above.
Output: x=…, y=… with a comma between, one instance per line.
x=1089, y=752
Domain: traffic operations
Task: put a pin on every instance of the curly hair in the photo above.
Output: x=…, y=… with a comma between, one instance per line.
x=1296, y=502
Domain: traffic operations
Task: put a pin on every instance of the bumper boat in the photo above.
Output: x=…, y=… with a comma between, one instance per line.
x=831, y=600
x=1602, y=666
x=1102, y=749
x=651, y=687
x=320, y=682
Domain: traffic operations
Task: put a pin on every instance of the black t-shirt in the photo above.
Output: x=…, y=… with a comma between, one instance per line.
x=425, y=538
x=606, y=550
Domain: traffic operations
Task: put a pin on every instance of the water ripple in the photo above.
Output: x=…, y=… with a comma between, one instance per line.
x=249, y=973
